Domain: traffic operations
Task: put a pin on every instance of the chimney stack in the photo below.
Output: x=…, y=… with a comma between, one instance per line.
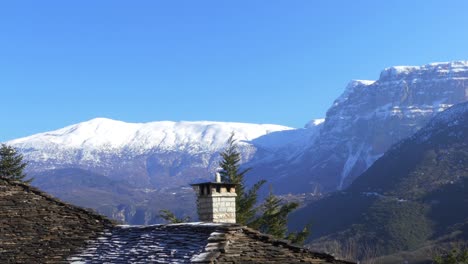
x=216, y=201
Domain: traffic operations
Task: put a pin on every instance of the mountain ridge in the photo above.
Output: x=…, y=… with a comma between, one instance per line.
x=123, y=133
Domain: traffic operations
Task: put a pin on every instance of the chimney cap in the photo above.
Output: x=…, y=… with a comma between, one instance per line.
x=214, y=183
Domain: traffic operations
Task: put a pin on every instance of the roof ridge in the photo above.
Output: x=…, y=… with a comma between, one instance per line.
x=219, y=240
x=288, y=244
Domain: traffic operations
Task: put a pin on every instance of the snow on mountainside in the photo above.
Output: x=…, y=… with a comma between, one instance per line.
x=157, y=149
x=102, y=134
x=450, y=120
x=369, y=117
x=314, y=123
x=437, y=70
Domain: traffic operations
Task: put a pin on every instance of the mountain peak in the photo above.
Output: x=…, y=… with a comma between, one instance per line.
x=351, y=88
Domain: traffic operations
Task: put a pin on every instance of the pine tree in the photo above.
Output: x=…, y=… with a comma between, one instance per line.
x=231, y=173
x=171, y=218
x=11, y=164
x=454, y=256
x=300, y=236
x=273, y=217
x=274, y=220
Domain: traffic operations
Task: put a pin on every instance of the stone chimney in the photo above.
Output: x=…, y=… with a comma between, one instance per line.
x=216, y=201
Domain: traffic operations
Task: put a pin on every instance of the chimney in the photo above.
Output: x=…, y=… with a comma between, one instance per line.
x=216, y=201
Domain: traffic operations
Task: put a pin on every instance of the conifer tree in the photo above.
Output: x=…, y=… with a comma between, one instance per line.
x=11, y=164
x=273, y=217
x=274, y=220
x=171, y=218
x=231, y=173
x=457, y=255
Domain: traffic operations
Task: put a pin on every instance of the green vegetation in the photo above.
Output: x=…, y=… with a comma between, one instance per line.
x=11, y=164
x=171, y=218
x=273, y=220
x=271, y=217
x=394, y=226
x=231, y=173
x=454, y=256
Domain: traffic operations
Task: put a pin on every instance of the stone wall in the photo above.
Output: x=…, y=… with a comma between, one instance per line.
x=37, y=228
x=217, y=208
x=216, y=202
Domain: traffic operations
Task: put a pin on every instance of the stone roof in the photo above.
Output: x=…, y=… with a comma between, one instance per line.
x=193, y=243
x=37, y=228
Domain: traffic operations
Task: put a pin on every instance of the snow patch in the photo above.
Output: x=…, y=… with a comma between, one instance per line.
x=314, y=123
x=440, y=68
x=349, y=164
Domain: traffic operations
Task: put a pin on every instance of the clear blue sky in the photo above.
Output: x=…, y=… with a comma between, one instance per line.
x=280, y=62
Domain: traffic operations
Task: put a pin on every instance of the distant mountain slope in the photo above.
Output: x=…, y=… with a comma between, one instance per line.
x=368, y=118
x=414, y=194
x=113, y=198
x=130, y=171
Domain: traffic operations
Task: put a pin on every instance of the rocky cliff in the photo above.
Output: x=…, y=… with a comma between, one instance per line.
x=369, y=117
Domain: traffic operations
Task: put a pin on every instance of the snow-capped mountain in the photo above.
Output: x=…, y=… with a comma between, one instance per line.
x=369, y=117
x=109, y=135
x=143, y=153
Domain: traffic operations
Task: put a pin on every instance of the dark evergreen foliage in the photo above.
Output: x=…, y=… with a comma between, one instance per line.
x=11, y=164
x=231, y=173
x=455, y=256
x=272, y=217
x=274, y=220
x=171, y=218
